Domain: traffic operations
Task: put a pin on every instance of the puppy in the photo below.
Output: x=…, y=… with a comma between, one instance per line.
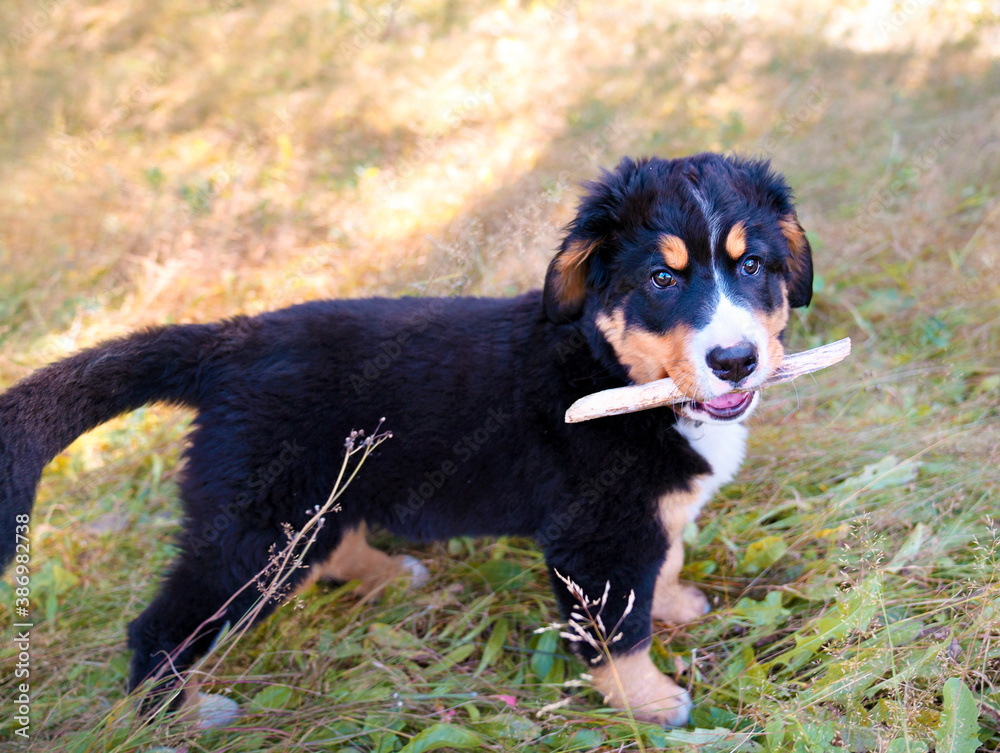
x=684, y=268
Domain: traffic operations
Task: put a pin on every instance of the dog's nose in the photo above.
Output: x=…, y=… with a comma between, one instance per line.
x=732, y=364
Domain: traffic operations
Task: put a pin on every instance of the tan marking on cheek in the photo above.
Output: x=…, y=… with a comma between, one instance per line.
x=570, y=266
x=775, y=350
x=634, y=681
x=675, y=253
x=651, y=356
x=674, y=346
x=648, y=356
x=774, y=324
x=736, y=241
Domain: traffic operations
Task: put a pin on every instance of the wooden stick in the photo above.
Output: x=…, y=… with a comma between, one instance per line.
x=637, y=397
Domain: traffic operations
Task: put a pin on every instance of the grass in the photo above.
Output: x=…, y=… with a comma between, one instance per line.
x=187, y=161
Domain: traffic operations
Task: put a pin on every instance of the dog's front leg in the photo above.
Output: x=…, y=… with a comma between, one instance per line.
x=673, y=601
x=606, y=599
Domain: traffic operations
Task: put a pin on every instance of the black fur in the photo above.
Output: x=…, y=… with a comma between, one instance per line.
x=473, y=390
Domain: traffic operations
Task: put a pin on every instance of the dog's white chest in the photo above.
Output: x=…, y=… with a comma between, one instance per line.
x=723, y=446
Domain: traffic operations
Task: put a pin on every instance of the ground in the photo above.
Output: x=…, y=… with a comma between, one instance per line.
x=185, y=161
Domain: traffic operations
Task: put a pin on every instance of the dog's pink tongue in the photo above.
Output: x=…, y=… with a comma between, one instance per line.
x=727, y=401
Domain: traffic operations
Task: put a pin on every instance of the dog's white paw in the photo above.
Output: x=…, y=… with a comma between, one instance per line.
x=418, y=574
x=677, y=715
x=215, y=710
x=635, y=683
x=680, y=605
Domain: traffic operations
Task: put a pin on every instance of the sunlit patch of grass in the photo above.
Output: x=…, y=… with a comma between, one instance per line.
x=182, y=162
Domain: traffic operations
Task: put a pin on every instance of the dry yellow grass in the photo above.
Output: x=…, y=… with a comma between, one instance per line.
x=171, y=162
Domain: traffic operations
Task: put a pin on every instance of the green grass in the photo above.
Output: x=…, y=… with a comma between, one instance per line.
x=184, y=161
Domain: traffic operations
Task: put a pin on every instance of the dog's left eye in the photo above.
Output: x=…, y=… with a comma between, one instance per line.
x=751, y=265
x=663, y=279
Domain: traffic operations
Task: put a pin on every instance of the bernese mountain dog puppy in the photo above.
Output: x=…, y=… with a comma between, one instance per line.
x=684, y=268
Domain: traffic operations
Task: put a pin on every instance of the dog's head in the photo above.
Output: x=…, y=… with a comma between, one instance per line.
x=687, y=268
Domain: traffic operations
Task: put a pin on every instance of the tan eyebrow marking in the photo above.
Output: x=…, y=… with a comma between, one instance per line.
x=736, y=241
x=675, y=253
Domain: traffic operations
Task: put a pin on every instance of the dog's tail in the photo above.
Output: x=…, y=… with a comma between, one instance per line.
x=41, y=415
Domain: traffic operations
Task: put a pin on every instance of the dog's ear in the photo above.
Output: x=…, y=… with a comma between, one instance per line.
x=618, y=198
x=765, y=188
x=800, y=266
x=566, y=279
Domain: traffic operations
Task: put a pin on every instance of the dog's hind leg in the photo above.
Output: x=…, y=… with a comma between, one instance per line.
x=218, y=584
x=354, y=559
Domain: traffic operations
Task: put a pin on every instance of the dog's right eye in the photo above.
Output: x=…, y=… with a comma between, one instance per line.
x=661, y=278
